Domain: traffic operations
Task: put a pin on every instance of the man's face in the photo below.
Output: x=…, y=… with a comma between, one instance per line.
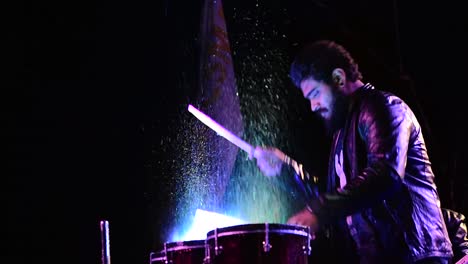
x=328, y=102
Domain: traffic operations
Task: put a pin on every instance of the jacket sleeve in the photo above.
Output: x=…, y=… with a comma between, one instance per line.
x=457, y=230
x=306, y=184
x=384, y=127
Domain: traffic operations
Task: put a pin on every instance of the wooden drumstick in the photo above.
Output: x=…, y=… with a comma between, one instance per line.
x=220, y=130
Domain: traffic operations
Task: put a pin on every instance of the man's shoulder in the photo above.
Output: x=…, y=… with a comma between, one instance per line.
x=382, y=103
x=380, y=98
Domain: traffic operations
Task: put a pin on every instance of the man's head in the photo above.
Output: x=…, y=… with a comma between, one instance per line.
x=319, y=60
x=326, y=73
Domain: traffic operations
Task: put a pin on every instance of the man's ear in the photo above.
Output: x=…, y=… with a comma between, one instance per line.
x=339, y=77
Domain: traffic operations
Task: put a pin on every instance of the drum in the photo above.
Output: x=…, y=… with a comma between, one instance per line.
x=181, y=252
x=157, y=257
x=258, y=243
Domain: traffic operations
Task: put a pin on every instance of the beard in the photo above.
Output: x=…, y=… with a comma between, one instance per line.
x=339, y=109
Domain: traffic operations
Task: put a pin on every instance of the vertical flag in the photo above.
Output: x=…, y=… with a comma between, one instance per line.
x=218, y=98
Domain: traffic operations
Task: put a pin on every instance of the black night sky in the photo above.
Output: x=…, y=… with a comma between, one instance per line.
x=95, y=83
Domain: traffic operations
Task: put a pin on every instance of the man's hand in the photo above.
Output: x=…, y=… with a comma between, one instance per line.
x=269, y=160
x=305, y=218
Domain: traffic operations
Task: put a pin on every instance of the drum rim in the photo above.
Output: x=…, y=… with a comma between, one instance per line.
x=184, y=247
x=294, y=232
x=160, y=256
x=176, y=246
x=187, y=244
x=260, y=228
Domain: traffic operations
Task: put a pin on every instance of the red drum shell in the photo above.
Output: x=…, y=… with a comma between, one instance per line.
x=180, y=252
x=258, y=243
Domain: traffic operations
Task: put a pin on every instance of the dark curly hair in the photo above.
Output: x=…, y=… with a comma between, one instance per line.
x=319, y=59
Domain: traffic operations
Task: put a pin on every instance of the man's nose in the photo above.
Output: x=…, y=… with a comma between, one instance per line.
x=314, y=106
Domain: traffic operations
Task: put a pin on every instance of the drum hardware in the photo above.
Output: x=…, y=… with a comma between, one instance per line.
x=308, y=249
x=217, y=248
x=266, y=243
x=165, y=254
x=207, y=260
x=105, y=242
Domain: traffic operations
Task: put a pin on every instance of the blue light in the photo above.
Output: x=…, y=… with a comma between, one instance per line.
x=205, y=221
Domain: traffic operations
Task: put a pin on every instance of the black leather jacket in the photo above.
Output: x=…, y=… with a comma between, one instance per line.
x=390, y=180
x=457, y=230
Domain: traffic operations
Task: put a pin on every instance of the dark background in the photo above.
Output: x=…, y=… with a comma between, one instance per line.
x=94, y=83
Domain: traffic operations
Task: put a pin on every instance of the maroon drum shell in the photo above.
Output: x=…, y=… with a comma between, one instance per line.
x=246, y=244
x=181, y=252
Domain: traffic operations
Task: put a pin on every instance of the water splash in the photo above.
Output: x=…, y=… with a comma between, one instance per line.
x=261, y=66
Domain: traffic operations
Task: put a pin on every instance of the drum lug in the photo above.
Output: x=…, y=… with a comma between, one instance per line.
x=206, y=260
x=266, y=247
x=308, y=249
x=217, y=248
x=266, y=244
x=165, y=254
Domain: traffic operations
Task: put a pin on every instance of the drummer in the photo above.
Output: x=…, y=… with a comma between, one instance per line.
x=380, y=204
